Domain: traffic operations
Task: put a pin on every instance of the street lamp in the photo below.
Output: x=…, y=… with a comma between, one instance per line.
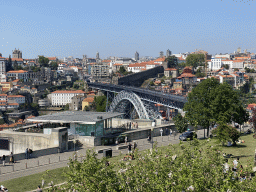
x=152, y=131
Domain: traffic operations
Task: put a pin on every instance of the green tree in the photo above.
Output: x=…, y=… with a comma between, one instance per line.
x=195, y=60
x=172, y=61
x=54, y=65
x=100, y=102
x=66, y=107
x=182, y=65
x=44, y=61
x=211, y=102
x=15, y=65
x=181, y=124
x=226, y=66
x=91, y=175
x=199, y=73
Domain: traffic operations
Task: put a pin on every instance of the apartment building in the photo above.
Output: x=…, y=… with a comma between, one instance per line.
x=18, y=74
x=61, y=98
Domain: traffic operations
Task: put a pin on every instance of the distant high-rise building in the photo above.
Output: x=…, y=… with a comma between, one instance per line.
x=161, y=54
x=16, y=53
x=97, y=55
x=137, y=58
x=168, y=53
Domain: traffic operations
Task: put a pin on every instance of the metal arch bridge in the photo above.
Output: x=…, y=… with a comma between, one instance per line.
x=142, y=99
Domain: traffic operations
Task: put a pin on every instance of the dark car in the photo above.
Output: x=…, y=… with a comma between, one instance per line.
x=186, y=135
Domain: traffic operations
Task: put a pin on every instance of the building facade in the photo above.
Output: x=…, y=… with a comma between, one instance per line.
x=18, y=74
x=61, y=98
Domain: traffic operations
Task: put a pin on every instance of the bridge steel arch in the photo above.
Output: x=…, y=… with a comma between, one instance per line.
x=134, y=99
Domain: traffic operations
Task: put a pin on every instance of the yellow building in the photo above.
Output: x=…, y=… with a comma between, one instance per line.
x=6, y=86
x=87, y=101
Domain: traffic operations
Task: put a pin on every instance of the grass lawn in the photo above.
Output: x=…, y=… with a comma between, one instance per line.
x=29, y=183
x=245, y=151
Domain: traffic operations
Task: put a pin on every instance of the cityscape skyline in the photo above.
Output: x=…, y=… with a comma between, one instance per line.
x=114, y=29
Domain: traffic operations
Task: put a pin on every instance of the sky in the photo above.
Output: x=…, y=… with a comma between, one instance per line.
x=120, y=28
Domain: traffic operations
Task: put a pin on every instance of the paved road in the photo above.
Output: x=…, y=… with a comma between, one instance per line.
x=36, y=165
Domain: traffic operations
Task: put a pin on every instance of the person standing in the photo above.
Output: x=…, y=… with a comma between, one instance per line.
x=226, y=166
x=130, y=125
x=134, y=146
x=170, y=132
x=129, y=148
x=235, y=163
x=26, y=153
x=11, y=158
x=3, y=160
x=161, y=132
x=125, y=140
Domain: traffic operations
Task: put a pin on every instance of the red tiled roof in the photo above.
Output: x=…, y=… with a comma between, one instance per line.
x=51, y=58
x=170, y=69
x=16, y=59
x=15, y=96
x=160, y=59
x=89, y=99
x=17, y=71
x=185, y=75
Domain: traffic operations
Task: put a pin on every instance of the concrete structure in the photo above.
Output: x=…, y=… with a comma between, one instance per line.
x=168, y=53
x=3, y=62
x=18, y=142
x=88, y=126
x=100, y=70
x=43, y=102
x=76, y=103
x=61, y=98
x=137, y=58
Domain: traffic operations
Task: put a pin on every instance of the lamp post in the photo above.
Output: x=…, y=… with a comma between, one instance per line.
x=152, y=141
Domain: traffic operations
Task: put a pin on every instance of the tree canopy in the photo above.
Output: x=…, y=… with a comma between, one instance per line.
x=172, y=61
x=197, y=166
x=211, y=102
x=181, y=124
x=195, y=60
x=44, y=61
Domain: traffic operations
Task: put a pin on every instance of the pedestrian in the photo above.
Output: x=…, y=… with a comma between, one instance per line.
x=127, y=125
x=129, y=148
x=125, y=140
x=130, y=125
x=149, y=137
x=235, y=163
x=39, y=189
x=117, y=142
x=166, y=131
x=3, y=160
x=30, y=153
x=161, y=132
x=226, y=166
x=26, y=153
x=170, y=132
x=11, y=158
x=134, y=146
x=137, y=126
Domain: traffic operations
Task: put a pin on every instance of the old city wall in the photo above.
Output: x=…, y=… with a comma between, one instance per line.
x=137, y=79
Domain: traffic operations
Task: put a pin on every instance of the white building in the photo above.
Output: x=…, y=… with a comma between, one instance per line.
x=229, y=63
x=61, y=98
x=3, y=69
x=239, y=64
x=214, y=64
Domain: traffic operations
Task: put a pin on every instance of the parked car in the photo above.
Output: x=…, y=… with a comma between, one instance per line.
x=186, y=135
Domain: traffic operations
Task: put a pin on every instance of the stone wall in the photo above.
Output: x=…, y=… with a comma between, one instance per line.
x=137, y=79
x=19, y=141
